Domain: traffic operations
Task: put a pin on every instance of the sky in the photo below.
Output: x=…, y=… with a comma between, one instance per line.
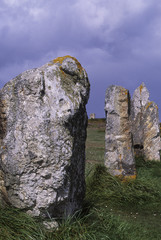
x=116, y=41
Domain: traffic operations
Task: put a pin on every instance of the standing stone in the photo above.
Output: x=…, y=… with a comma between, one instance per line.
x=92, y=116
x=146, y=130
x=151, y=143
x=140, y=99
x=119, y=157
x=43, y=135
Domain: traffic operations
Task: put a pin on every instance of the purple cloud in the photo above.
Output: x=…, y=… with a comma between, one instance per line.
x=117, y=42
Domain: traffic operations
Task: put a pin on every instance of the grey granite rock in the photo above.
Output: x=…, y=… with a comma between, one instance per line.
x=145, y=127
x=42, y=138
x=3, y=193
x=139, y=100
x=50, y=225
x=119, y=157
x=151, y=136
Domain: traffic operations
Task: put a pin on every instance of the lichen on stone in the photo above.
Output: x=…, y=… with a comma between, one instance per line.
x=149, y=104
x=128, y=178
x=141, y=88
x=61, y=59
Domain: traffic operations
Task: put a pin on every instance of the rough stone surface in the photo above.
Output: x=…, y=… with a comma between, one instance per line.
x=140, y=99
x=42, y=138
x=51, y=225
x=3, y=193
x=145, y=127
x=151, y=137
x=119, y=157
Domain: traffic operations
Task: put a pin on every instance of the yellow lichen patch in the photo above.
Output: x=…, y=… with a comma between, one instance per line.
x=50, y=64
x=126, y=178
x=156, y=107
x=129, y=178
x=124, y=91
x=61, y=59
x=62, y=71
x=148, y=105
x=141, y=87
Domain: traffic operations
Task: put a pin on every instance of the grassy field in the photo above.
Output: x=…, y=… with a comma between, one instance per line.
x=112, y=210
x=95, y=143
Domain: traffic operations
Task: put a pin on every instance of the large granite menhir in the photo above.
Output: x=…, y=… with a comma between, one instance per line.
x=42, y=138
x=119, y=157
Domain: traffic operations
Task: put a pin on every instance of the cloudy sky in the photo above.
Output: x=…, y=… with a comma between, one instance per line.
x=116, y=41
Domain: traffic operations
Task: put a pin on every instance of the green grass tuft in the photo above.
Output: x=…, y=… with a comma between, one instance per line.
x=139, y=194
x=16, y=225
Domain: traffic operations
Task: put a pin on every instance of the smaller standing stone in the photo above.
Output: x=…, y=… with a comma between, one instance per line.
x=151, y=137
x=146, y=130
x=140, y=99
x=92, y=116
x=119, y=157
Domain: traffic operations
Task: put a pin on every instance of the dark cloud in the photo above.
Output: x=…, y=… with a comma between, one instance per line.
x=118, y=42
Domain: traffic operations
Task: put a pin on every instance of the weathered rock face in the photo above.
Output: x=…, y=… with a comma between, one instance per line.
x=3, y=194
x=145, y=127
x=43, y=132
x=151, y=137
x=119, y=157
x=140, y=99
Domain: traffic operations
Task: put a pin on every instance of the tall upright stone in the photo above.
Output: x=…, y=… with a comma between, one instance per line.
x=151, y=137
x=139, y=100
x=42, y=138
x=145, y=127
x=119, y=157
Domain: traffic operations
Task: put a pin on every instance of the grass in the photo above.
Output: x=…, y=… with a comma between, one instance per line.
x=112, y=210
x=95, y=143
x=16, y=225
